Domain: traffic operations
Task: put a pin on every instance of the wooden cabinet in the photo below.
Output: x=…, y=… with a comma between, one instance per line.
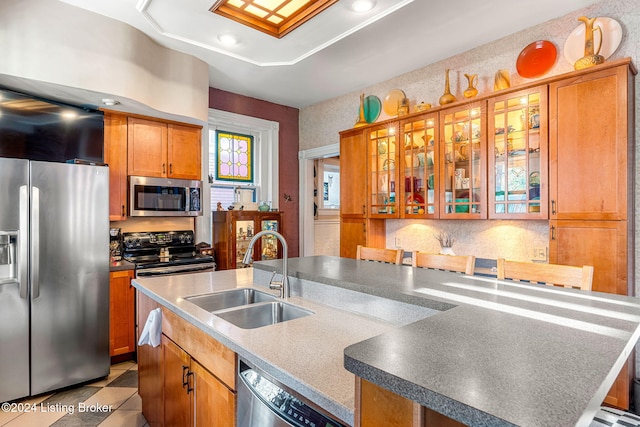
x=463, y=160
x=115, y=155
x=233, y=230
x=356, y=228
x=121, y=314
x=518, y=153
x=591, y=152
x=158, y=149
x=383, y=155
x=189, y=379
x=420, y=167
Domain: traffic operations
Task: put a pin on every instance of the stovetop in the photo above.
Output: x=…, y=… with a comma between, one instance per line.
x=162, y=248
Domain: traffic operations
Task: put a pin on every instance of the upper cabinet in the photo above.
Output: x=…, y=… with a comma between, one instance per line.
x=589, y=135
x=383, y=152
x=463, y=160
x=158, y=149
x=353, y=169
x=420, y=166
x=115, y=155
x=518, y=182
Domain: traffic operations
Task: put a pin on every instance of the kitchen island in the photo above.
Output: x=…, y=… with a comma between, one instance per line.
x=478, y=350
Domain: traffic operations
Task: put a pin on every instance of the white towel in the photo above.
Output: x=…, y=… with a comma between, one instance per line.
x=152, y=329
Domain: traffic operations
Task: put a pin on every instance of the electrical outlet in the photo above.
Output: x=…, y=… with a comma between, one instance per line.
x=539, y=254
x=398, y=242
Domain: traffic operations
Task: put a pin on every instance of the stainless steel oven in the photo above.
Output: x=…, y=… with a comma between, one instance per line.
x=164, y=197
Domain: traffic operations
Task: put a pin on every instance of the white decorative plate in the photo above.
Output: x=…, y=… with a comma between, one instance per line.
x=611, y=38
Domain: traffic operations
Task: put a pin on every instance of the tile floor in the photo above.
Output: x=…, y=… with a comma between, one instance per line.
x=110, y=402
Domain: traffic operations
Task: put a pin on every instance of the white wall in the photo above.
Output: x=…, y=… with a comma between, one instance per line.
x=53, y=43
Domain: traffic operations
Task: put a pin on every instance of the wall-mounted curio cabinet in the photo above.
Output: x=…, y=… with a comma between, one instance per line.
x=463, y=162
x=518, y=148
x=383, y=152
x=419, y=178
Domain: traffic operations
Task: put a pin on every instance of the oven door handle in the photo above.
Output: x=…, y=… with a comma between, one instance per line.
x=174, y=269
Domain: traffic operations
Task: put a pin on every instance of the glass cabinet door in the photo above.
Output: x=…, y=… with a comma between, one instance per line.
x=383, y=161
x=269, y=243
x=517, y=158
x=245, y=229
x=463, y=160
x=419, y=167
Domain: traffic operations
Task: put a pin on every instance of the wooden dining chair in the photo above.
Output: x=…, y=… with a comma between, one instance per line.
x=457, y=263
x=566, y=276
x=392, y=256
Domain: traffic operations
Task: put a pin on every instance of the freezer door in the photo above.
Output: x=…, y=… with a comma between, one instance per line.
x=14, y=302
x=69, y=274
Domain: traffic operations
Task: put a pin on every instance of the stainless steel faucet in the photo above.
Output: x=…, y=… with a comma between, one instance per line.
x=282, y=286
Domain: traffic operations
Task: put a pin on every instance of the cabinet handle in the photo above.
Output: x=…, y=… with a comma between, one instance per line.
x=364, y=209
x=164, y=168
x=553, y=207
x=553, y=232
x=185, y=373
x=170, y=168
x=123, y=213
x=189, y=382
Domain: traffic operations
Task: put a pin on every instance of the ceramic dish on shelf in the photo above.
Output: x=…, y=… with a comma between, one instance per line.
x=392, y=101
x=536, y=59
x=372, y=108
x=611, y=37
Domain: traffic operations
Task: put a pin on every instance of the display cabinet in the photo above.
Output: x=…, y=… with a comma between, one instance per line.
x=420, y=166
x=463, y=162
x=233, y=231
x=518, y=152
x=383, y=153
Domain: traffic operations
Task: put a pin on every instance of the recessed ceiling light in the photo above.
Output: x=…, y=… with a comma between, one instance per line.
x=110, y=102
x=228, y=39
x=69, y=115
x=361, y=6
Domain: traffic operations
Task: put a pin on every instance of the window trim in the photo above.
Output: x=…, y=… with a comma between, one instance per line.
x=266, y=143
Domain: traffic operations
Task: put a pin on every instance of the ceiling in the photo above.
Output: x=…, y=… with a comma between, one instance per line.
x=337, y=52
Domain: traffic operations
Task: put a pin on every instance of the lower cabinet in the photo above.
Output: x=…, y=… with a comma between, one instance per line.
x=360, y=231
x=189, y=380
x=122, y=340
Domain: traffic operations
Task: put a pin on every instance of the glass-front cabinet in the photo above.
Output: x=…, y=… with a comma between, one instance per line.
x=383, y=153
x=517, y=155
x=463, y=162
x=419, y=157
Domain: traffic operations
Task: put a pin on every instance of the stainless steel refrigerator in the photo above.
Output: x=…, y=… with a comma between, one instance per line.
x=54, y=276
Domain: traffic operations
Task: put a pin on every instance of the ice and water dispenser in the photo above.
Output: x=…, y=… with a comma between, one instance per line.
x=8, y=269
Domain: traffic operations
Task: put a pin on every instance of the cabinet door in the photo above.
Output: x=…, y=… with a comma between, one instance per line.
x=353, y=174
x=184, y=152
x=463, y=175
x=360, y=231
x=589, y=128
x=177, y=385
x=147, y=148
x=214, y=403
x=115, y=155
x=383, y=154
x=420, y=167
x=270, y=247
x=243, y=228
x=121, y=313
x=518, y=152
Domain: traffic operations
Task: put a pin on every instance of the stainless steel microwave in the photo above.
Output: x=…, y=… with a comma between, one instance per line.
x=164, y=197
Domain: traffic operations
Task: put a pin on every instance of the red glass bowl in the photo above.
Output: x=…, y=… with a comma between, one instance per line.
x=536, y=59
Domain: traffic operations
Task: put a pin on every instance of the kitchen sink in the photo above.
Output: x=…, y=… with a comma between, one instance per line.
x=263, y=314
x=228, y=299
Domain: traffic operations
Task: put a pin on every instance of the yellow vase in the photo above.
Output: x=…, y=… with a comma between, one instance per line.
x=503, y=80
x=471, y=91
x=447, y=97
x=591, y=54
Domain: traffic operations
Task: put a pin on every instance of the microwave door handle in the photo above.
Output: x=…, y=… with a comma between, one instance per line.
x=23, y=244
x=35, y=243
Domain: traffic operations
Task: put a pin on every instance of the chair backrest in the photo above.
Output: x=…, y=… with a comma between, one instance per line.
x=458, y=263
x=377, y=254
x=566, y=276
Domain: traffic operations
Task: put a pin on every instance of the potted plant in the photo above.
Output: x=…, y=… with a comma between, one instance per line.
x=446, y=241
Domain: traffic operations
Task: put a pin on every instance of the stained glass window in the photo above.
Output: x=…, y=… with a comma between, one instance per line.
x=235, y=157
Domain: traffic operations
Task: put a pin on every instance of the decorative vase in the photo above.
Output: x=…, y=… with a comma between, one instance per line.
x=591, y=56
x=471, y=91
x=361, y=121
x=447, y=251
x=503, y=80
x=447, y=97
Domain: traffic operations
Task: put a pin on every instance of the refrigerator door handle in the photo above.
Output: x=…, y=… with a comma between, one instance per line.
x=35, y=243
x=23, y=242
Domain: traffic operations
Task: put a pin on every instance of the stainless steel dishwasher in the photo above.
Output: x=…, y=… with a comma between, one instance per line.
x=263, y=402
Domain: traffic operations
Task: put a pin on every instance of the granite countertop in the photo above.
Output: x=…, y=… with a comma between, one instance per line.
x=481, y=351
x=121, y=265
